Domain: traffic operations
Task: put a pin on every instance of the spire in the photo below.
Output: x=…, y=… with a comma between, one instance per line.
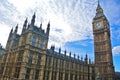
x=99, y=11
x=74, y=55
x=25, y=22
x=33, y=19
x=89, y=61
x=0, y=46
x=11, y=31
x=52, y=48
x=81, y=58
x=86, y=58
x=78, y=57
x=41, y=25
x=65, y=52
x=10, y=34
x=48, y=28
x=16, y=29
x=24, y=25
x=59, y=50
x=98, y=7
x=70, y=54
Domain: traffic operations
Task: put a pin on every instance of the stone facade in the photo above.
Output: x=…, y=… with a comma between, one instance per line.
x=102, y=46
x=1, y=55
x=27, y=57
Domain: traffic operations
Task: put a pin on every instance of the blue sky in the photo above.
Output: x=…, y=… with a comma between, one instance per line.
x=71, y=22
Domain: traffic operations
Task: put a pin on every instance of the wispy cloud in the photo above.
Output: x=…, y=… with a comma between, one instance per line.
x=73, y=18
x=70, y=20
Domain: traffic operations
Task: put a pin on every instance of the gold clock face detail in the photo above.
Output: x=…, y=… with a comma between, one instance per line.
x=98, y=25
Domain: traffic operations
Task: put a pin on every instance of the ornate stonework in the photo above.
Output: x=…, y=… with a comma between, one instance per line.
x=102, y=46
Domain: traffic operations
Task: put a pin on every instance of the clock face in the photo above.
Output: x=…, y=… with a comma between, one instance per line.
x=98, y=25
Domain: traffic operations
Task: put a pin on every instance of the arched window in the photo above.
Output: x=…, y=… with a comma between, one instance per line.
x=41, y=43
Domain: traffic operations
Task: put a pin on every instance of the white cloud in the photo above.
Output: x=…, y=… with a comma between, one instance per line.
x=71, y=20
x=4, y=33
x=116, y=50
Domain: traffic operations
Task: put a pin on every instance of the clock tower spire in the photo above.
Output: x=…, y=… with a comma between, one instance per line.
x=102, y=45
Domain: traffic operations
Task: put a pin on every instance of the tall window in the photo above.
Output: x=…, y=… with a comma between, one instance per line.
x=46, y=75
x=37, y=74
x=54, y=75
x=41, y=43
x=38, y=60
x=17, y=71
x=20, y=56
x=66, y=76
x=38, y=66
x=61, y=76
x=30, y=58
x=27, y=73
x=33, y=39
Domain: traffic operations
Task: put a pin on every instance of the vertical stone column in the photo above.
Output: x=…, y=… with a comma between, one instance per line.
x=22, y=72
x=58, y=66
x=31, y=74
x=69, y=71
x=74, y=69
x=14, y=64
x=64, y=70
x=51, y=69
x=5, y=67
x=42, y=67
x=23, y=65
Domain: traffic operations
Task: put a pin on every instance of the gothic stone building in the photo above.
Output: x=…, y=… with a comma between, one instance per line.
x=1, y=55
x=27, y=57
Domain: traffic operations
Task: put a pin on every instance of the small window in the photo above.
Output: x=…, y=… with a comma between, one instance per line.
x=33, y=39
x=41, y=43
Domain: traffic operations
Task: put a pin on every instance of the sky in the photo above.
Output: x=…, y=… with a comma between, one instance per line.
x=71, y=22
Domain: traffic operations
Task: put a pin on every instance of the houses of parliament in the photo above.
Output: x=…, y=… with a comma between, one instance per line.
x=27, y=57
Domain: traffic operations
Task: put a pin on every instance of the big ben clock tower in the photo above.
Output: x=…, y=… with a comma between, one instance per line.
x=102, y=46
